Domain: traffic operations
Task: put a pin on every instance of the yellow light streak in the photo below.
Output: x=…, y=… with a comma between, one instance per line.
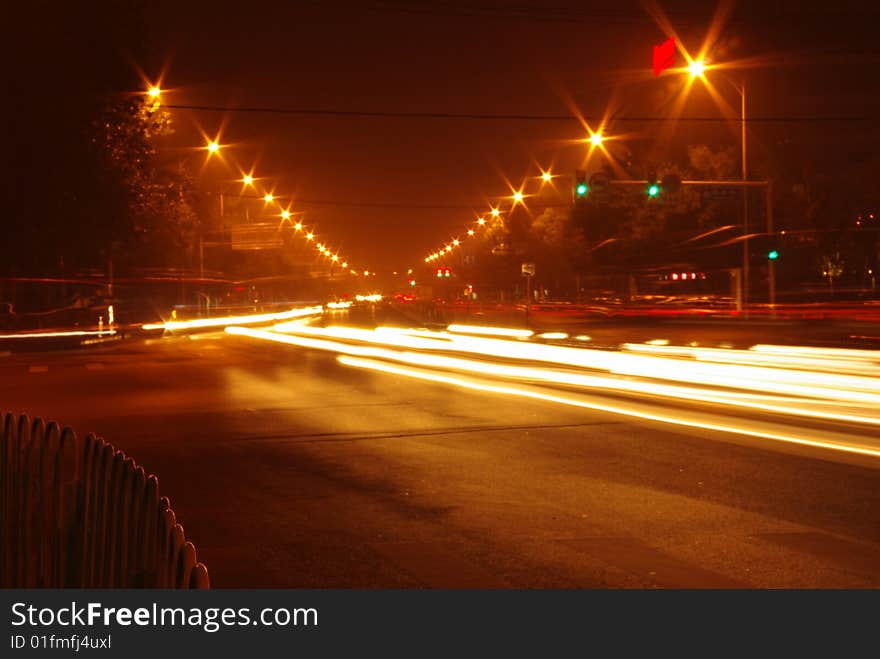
x=320, y=338
x=853, y=389
x=493, y=331
x=197, y=323
x=613, y=409
x=553, y=335
x=44, y=335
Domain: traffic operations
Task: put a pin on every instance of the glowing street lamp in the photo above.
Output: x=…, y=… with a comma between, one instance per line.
x=285, y=214
x=696, y=68
x=596, y=139
x=298, y=226
x=470, y=232
x=495, y=212
x=481, y=221
x=268, y=197
x=153, y=92
x=248, y=179
x=310, y=236
x=546, y=177
x=213, y=147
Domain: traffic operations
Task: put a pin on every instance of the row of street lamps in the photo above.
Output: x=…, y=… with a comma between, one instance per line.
x=697, y=69
x=213, y=147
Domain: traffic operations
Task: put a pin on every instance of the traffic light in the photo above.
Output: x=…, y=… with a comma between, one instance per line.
x=772, y=255
x=653, y=188
x=443, y=272
x=580, y=184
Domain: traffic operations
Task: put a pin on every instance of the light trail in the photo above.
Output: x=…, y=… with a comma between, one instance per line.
x=45, y=335
x=834, y=363
x=253, y=319
x=320, y=339
x=777, y=381
x=693, y=422
x=492, y=331
x=855, y=389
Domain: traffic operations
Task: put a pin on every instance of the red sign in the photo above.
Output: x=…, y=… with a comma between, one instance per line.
x=664, y=56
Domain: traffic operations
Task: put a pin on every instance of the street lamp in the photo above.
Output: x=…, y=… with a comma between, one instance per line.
x=697, y=68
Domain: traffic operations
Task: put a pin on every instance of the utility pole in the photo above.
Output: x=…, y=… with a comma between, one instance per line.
x=771, y=263
x=745, y=200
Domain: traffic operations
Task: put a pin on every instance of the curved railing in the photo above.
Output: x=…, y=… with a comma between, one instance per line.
x=82, y=514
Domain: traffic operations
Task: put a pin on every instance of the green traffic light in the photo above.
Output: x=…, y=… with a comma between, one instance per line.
x=581, y=189
x=773, y=255
x=653, y=190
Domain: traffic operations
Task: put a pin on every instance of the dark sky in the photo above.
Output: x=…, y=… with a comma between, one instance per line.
x=521, y=58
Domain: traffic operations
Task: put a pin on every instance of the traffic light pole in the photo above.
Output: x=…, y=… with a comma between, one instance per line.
x=744, y=186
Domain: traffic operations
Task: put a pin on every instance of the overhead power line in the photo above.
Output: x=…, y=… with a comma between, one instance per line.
x=523, y=117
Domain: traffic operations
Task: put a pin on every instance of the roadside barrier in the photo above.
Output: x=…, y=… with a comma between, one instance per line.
x=82, y=514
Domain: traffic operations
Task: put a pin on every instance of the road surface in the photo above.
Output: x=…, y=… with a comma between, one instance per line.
x=290, y=469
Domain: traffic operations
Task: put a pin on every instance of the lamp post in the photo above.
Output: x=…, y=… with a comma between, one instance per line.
x=697, y=68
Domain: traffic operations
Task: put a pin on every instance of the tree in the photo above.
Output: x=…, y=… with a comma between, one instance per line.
x=152, y=218
x=636, y=230
x=831, y=264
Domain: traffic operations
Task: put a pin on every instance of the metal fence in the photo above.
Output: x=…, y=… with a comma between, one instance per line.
x=82, y=514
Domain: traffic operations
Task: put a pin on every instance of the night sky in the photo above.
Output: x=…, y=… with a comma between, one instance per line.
x=419, y=180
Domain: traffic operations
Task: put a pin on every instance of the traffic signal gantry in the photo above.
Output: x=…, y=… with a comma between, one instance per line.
x=671, y=183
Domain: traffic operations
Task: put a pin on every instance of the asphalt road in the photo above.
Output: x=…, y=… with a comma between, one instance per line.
x=288, y=469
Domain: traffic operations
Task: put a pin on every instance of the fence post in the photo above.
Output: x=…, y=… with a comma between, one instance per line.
x=84, y=515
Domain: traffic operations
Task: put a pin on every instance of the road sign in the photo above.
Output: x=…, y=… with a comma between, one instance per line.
x=256, y=237
x=528, y=269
